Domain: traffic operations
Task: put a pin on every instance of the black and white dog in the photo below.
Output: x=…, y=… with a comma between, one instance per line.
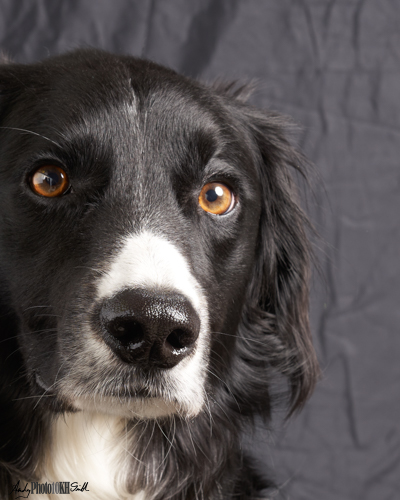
x=154, y=280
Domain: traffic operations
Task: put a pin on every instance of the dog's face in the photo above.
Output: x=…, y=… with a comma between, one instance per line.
x=152, y=251
x=130, y=205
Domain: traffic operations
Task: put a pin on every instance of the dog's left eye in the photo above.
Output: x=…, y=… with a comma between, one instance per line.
x=49, y=181
x=216, y=198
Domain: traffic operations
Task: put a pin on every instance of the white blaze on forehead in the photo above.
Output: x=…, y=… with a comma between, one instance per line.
x=149, y=261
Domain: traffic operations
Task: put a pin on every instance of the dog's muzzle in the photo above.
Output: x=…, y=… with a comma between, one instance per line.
x=151, y=329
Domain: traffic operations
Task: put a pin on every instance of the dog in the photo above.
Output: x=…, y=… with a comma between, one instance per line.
x=154, y=280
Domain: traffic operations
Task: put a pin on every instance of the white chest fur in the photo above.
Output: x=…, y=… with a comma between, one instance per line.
x=88, y=448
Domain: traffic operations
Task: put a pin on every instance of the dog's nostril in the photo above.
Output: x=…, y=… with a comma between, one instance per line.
x=179, y=340
x=127, y=331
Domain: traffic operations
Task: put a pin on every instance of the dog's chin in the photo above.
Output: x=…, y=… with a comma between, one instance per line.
x=133, y=408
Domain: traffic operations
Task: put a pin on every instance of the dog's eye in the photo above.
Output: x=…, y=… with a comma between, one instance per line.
x=216, y=198
x=49, y=181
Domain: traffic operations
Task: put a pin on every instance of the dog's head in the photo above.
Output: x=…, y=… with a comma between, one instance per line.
x=153, y=253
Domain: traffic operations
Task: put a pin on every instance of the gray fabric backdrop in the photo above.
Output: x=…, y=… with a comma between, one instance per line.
x=333, y=65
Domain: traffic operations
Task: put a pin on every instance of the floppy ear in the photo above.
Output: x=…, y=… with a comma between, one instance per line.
x=275, y=330
x=280, y=285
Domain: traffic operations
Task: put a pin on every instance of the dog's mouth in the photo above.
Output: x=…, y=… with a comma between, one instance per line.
x=123, y=393
x=119, y=389
x=147, y=398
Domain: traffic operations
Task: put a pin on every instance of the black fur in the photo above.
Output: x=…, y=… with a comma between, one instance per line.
x=254, y=266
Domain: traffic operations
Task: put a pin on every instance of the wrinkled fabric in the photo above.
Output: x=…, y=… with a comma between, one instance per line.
x=334, y=66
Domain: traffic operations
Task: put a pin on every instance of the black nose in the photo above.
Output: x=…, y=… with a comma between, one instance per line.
x=151, y=329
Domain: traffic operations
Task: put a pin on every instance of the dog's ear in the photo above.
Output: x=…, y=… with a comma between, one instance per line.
x=277, y=308
x=280, y=285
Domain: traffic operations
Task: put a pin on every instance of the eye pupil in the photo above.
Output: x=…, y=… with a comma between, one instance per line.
x=52, y=178
x=211, y=195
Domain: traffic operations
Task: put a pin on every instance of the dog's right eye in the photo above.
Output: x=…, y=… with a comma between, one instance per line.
x=49, y=181
x=216, y=198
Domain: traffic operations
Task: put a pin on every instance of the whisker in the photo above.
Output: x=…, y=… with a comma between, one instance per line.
x=48, y=316
x=125, y=448
x=191, y=437
x=163, y=433
x=54, y=330
x=31, y=132
x=223, y=411
x=227, y=386
x=13, y=352
x=34, y=307
x=34, y=397
x=151, y=436
x=239, y=337
x=170, y=442
x=50, y=387
x=98, y=271
x=208, y=408
x=9, y=338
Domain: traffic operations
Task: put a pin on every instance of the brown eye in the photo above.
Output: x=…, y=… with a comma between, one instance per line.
x=49, y=181
x=216, y=198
